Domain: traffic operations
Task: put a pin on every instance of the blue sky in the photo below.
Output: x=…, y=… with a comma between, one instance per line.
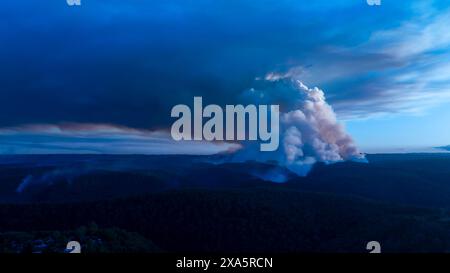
x=124, y=64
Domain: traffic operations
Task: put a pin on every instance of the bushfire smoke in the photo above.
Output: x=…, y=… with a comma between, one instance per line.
x=310, y=131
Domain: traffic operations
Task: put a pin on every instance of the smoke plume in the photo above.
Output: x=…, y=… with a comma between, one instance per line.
x=49, y=178
x=310, y=131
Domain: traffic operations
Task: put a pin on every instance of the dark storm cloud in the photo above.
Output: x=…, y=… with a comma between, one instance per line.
x=129, y=63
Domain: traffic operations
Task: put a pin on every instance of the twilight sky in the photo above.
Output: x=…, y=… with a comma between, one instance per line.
x=102, y=77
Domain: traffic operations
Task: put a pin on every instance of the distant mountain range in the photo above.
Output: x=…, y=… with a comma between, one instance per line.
x=408, y=179
x=446, y=148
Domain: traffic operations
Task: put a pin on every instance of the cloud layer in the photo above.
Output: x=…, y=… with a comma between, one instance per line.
x=120, y=63
x=127, y=63
x=99, y=139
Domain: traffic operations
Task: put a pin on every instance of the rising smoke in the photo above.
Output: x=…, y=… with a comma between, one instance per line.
x=49, y=178
x=310, y=131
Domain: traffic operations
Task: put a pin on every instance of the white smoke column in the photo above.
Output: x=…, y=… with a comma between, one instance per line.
x=310, y=131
